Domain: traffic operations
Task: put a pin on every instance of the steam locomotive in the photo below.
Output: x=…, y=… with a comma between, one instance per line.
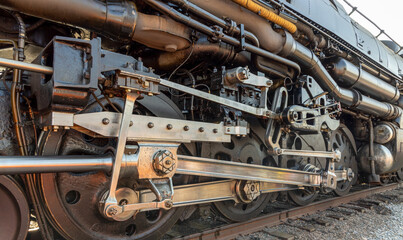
x=120, y=117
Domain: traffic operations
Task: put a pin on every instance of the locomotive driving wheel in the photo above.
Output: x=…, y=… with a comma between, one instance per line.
x=246, y=150
x=315, y=142
x=15, y=212
x=72, y=200
x=339, y=140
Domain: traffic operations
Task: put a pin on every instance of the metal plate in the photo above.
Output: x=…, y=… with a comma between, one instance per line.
x=146, y=128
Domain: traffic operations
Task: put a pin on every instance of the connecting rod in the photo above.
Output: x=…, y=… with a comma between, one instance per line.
x=186, y=165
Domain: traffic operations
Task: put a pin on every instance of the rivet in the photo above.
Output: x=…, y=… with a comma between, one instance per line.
x=150, y=125
x=201, y=129
x=105, y=121
x=169, y=126
x=186, y=128
x=215, y=130
x=131, y=123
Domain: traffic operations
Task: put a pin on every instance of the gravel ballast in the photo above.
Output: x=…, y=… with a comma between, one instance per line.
x=383, y=222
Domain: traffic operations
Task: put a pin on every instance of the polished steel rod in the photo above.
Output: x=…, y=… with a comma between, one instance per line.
x=51, y=164
x=25, y=66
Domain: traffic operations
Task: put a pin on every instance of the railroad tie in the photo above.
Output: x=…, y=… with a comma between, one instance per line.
x=364, y=205
x=356, y=208
x=280, y=235
x=309, y=228
x=340, y=210
x=321, y=222
x=316, y=220
x=334, y=216
x=369, y=201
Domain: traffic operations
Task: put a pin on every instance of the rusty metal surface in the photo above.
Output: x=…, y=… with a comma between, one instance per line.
x=231, y=231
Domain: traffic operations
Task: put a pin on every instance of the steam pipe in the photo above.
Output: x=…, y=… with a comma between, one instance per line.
x=225, y=38
x=354, y=77
x=212, y=18
x=351, y=98
x=268, y=38
x=116, y=19
x=203, y=49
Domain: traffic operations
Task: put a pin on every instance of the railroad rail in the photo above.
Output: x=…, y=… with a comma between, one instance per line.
x=231, y=231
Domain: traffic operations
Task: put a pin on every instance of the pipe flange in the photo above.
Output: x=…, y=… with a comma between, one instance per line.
x=289, y=45
x=357, y=98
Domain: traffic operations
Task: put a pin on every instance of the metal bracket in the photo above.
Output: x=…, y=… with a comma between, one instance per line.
x=148, y=128
x=109, y=211
x=306, y=153
x=242, y=35
x=137, y=82
x=261, y=112
x=273, y=130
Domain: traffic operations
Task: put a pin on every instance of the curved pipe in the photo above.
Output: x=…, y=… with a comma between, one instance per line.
x=212, y=18
x=116, y=19
x=220, y=53
x=268, y=38
x=113, y=17
x=219, y=35
x=351, y=98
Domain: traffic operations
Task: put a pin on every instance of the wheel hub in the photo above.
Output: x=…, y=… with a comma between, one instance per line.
x=250, y=150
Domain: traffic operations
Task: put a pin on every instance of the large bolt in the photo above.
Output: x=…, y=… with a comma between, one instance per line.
x=251, y=190
x=163, y=162
x=112, y=211
x=168, y=204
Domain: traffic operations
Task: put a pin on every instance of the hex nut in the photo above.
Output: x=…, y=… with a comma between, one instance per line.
x=163, y=162
x=112, y=211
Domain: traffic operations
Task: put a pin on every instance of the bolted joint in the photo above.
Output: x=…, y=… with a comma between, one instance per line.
x=164, y=162
x=111, y=211
x=247, y=191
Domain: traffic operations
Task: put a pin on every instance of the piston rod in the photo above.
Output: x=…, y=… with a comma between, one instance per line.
x=52, y=164
x=25, y=66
